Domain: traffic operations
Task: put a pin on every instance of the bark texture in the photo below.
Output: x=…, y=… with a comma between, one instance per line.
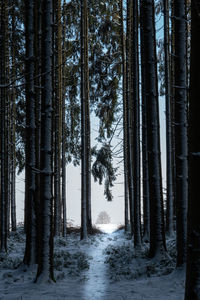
x=45, y=263
x=193, y=238
x=154, y=161
x=181, y=150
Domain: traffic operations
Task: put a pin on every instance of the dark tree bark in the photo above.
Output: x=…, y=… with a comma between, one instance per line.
x=157, y=244
x=57, y=114
x=129, y=113
x=170, y=198
x=123, y=51
x=30, y=251
x=84, y=124
x=172, y=93
x=13, y=128
x=45, y=263
x=136, y=127
x=181, y=151
x=37, y=83
x=88, y=127
x=3, y=133
x=145, y=174
x=193, y=234
x=64, y=229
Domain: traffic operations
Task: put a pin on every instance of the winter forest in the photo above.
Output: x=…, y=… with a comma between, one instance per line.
x=65, y=66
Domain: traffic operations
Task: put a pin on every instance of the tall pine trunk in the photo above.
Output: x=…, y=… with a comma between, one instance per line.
x=123, y=51
x=88, y=127
x=84, y=123
x=64, y=215
x=37, y=83
x=3, y=95
x=129, y=113
x=136, y=126
x=57, y=114
x=145, y=174
x=170, y=199
x=13, y=128
x=30, y=251
x=181, y=151
x=45, y=263
x=193, y=234
x=157, y=244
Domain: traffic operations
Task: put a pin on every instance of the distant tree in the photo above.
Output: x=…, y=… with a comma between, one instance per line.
x=103, y=218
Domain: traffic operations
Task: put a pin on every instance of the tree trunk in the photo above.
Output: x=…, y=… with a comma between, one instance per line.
x=37, y=83
x=145, y=179
x=172, y=92
x=123, y=51
x=155, y=181
x=45, y=263
x=13, y=129
x=129, y=114
x=170, y=200
x=180, y=130
x=136, y=127
x=3, y=101
x=193, y=234
x=57, y=123
x=84, y=193
x=88, y=129
x=64, y=229
x=30, y=251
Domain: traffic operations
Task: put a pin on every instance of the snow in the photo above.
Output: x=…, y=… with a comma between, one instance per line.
x=103, y=267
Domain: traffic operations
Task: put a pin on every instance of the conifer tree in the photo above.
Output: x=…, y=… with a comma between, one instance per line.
x=45, y=262
x=157, y=241
x=181, y=152
x=193, y=229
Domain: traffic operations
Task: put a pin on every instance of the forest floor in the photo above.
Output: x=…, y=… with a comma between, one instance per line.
x=105, y=267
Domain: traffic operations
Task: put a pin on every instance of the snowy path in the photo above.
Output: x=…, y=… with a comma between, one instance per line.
x=95, y=283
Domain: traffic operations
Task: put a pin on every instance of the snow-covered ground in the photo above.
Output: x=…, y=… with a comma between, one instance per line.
x=104, y=267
